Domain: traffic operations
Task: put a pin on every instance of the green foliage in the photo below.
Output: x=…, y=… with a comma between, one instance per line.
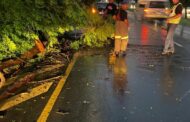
x=21, y=20
x=76, y=44
x=98, y=30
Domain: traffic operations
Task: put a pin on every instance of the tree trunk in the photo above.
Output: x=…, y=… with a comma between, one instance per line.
x=39, y=48
x=11, y=89
x=2, y=79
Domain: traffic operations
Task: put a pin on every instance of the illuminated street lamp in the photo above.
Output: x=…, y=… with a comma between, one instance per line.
x=93, y=10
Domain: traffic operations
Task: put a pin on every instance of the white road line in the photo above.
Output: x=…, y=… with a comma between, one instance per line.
x=178, y=44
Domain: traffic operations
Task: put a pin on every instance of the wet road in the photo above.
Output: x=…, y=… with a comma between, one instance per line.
x=142, y=87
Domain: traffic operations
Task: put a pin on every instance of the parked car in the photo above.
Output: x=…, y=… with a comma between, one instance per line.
x=140, y=9
x=101, y=6
x=142, y=3
x=132, y=5
x=73, y=35
x=98, y=7
x=157, y=9
x=188, y=12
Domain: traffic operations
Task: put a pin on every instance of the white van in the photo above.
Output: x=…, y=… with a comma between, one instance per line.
x=157, y=9
x=140, y=8
x=142, y=2
x=187, y=12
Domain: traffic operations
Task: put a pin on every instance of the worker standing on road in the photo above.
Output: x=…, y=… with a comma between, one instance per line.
x=121, y=30
x=173, y=21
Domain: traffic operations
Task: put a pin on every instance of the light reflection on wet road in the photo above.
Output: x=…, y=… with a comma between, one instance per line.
x=144, y=86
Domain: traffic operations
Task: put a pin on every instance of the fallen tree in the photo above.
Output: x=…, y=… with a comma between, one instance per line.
x=19, y=61
x=39, y=48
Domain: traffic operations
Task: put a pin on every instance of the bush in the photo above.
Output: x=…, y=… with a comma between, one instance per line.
x=21, y=20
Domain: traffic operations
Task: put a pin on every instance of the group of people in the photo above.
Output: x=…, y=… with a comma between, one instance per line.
x=122, y=25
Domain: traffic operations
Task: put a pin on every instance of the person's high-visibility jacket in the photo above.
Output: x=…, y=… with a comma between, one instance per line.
x=173, y=19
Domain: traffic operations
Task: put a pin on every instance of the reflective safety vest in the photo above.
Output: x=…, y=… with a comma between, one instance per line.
x=177, y=19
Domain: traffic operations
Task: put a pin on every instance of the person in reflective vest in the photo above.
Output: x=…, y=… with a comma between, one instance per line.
x=173, y=20
x=121, y=30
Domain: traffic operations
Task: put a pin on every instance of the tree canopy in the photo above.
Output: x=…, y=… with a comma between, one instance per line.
x=21, y=20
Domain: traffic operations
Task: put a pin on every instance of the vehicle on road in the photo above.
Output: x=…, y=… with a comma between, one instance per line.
x=187, y=12
x=140, y=8
x=132, y=5
x=142, y=3
x=157, y=9
x=101, y=6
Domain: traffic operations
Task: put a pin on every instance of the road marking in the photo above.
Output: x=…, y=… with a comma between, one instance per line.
x=25, y=96
x=178, y=44
x=47, y=109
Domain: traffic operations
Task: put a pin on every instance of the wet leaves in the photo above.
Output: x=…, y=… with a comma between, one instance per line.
x=107, y=78
x=90, y=84
x=63, y=112
x=19, y=109
x=123, y=108
x=166, y=93
x=127, y=92
x=132, y=112
x=178, y=99
x=86, y=102
x=42, y=97
x=68, y=102
x=151, y=65
x=68, y=88
x=87, y=84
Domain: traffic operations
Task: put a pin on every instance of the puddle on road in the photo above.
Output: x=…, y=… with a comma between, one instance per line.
x=149, y=57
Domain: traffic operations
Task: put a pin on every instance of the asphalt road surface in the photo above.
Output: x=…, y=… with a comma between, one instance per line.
x=144, y=86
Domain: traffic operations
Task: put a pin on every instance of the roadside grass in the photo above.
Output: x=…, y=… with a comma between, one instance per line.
x=185, y=22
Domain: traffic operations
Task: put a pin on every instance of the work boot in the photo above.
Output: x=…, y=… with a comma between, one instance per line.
x=117, y=54
x=165, y=53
